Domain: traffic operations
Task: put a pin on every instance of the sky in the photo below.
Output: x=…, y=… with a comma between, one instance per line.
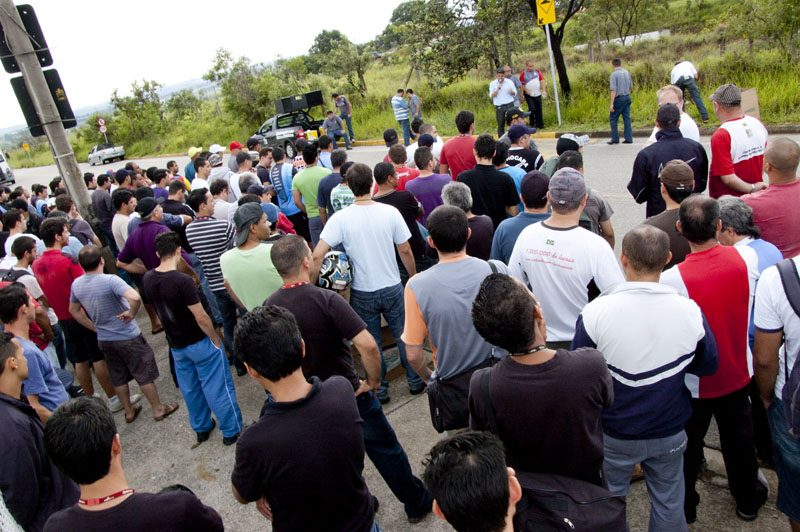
x=102, y=45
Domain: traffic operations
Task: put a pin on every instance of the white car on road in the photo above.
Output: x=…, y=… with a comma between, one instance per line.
x=104, y=153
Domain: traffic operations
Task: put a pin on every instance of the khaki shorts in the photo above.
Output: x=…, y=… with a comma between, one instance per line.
x=130, y=360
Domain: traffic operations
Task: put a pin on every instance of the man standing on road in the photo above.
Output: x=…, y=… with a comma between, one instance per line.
x=188, y=170
x=533, y=192
x=519, y=154
x=509, y=74
x=535, y=90
x=621, y=86
x=718, y=279
x=345, y=112
x=334, y=128
x=457, y=153
x=281, y=175
x=503, y=94
x=305, y=186
x=401, y=114
x=415, y=104
x=328, y=325
x=644, y=185
x=107, y=305
x=104, y=210
x=737, y=147
x=514, y=116
x=370, y=232
x=563, y=262
x=493, y=192
x=687, y=125
x=684, y=76
x=774, y=209
x=202, y=370
x=677, y=183
x=235, y=149
x=650, y=337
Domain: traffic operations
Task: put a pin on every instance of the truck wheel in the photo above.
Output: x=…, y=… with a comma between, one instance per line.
x=289, y=150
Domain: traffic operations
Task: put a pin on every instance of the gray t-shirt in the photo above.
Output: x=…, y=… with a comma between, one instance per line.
x=342, y=104
x=331, y=125
x=415, y=103
x=518, y=85
x=445, y=294
x=597, y=207
x=621, y=82
x=100, y=295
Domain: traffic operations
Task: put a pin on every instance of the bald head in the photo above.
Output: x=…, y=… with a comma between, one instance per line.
x=669, y=94
x=781, y=160
x=646, y=248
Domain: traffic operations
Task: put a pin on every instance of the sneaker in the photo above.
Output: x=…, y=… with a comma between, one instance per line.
x=751, y=515
x=612, y=142
x=627, y=142
x=418, y=518
x=230, y=440
x=116, y=405
x=383, y=398
x=418, y=390
x=203, y=436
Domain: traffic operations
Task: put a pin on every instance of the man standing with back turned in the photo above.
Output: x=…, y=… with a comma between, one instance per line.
x=621, y=85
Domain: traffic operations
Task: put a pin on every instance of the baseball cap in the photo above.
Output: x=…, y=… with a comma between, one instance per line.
x=534, y=185
x=676, y=174
x=568, y=141
x=215, y=159
x=390, y=137
x=216, y=148
x=514, y=113
x=256, y=189
x=245, y=216
x=271, y=210
x=194, y=150
x=567, y=186
x=668, y=114
x=146, y=206
x=516, y=132
x=426, y=139
x=120, y=175
x=300, y=145
x=728, y=94
x=235, y=146
x=252, y=141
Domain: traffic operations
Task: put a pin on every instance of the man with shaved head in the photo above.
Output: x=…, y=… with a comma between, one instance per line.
x=775, y=208
x=650, y=337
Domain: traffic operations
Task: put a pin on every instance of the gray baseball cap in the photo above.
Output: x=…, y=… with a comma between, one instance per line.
x=728, y=94
x=567, y=186
x=245, y=216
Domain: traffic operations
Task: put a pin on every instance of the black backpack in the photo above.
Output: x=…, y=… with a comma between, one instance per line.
x=12, y=276
x=555, y=502
x=791, y=387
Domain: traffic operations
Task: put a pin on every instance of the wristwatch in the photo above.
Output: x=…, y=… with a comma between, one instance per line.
x=752, y=187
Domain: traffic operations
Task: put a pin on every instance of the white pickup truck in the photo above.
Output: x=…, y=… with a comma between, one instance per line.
x=104, y=153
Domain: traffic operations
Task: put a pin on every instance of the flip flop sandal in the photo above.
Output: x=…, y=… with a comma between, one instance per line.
x=168, y=410
x=136, y=410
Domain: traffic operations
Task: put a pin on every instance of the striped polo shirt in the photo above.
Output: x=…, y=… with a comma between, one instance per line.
x=210, y=238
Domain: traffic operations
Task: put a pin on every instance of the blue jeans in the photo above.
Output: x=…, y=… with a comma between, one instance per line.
x=338, y=134
x=60, y=344
x=787, y=461
x=389, y=458
x=227, y=309
x=216, y=315
x=622, y=106
x=662, y=462
x=406, y=126
x=207, y=386
x=389, y=302
x=315, y=228
x=349, y=121
x=108, y=236
x=688, y=83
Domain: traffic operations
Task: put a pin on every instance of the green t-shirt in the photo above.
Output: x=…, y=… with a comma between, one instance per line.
x=250, y=274
x=307, y=182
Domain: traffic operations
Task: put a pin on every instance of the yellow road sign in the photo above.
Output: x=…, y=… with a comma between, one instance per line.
x=26, y=147
x=545, y=12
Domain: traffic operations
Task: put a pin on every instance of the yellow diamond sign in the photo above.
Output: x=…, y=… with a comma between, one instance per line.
x=545, y=12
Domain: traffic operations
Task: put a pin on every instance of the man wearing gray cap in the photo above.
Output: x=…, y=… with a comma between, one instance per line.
x=247, y=269
x=562, y=262
x=737, y=147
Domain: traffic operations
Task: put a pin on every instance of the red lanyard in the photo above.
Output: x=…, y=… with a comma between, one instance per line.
x=287, y=286
x=95, y=502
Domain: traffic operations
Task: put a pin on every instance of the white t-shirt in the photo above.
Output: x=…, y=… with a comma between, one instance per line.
x=198, y=183
x=369, y=234
x=773, y=313
x=558, y=265
x=688, y=128
x=682, y=69
x=119, y=228
x=10, y=240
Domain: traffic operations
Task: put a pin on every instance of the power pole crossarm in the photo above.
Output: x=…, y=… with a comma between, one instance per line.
x=19, y=42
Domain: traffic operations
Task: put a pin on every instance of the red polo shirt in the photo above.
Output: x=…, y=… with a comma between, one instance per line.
x=55, y=272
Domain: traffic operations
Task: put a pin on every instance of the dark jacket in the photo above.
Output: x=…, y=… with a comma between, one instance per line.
x=645, y=186
x=33, y=488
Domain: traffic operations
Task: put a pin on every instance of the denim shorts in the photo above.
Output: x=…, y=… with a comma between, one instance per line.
x=787, y=461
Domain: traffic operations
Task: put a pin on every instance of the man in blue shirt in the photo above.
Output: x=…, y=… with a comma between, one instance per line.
x=281, y=175
x=401, y=114
x=533, y=191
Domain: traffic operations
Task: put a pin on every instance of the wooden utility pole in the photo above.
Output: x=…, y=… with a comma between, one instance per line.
x=20, y=44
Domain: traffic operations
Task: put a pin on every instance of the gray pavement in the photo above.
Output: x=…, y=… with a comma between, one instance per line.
x=156, y=455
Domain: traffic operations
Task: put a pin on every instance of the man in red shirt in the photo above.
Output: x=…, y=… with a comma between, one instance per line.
x=398, y=157
x=457, y=153
x=55, y=272
x=775, y=208
x=717, y=278
x=737, y=147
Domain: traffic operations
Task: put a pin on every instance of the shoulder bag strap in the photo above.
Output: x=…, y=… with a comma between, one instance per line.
x=485, y=379
x=493, y=266
x=791, y=285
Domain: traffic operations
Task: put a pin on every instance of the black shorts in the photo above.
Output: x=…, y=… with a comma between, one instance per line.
x=138, y=280
x=81, y=342
x=130, y=359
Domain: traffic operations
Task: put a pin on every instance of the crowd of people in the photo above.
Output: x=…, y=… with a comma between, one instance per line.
x=551, y=358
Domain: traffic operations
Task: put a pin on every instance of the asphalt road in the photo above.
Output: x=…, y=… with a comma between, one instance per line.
x=156, y=455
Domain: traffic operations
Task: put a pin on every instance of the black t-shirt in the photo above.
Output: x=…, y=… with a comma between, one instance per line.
x=525, y=158
x=492, y=191
x=307, y=458
x=171, y=293
x=326, y=323
x=548, y=415
x=479, y=243
x=175, y=511
x=678, y=244
x=406, y=203
x=177, y=208
x=3, y=237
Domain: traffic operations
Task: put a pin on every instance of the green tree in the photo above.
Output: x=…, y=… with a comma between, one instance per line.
x=219, y=70
x=182, y=104
x=775, y=21
x=352, y=61
x=140, y=115
x=392, y=35
x=324, y=43
x=565, y=11
x=622, y=18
